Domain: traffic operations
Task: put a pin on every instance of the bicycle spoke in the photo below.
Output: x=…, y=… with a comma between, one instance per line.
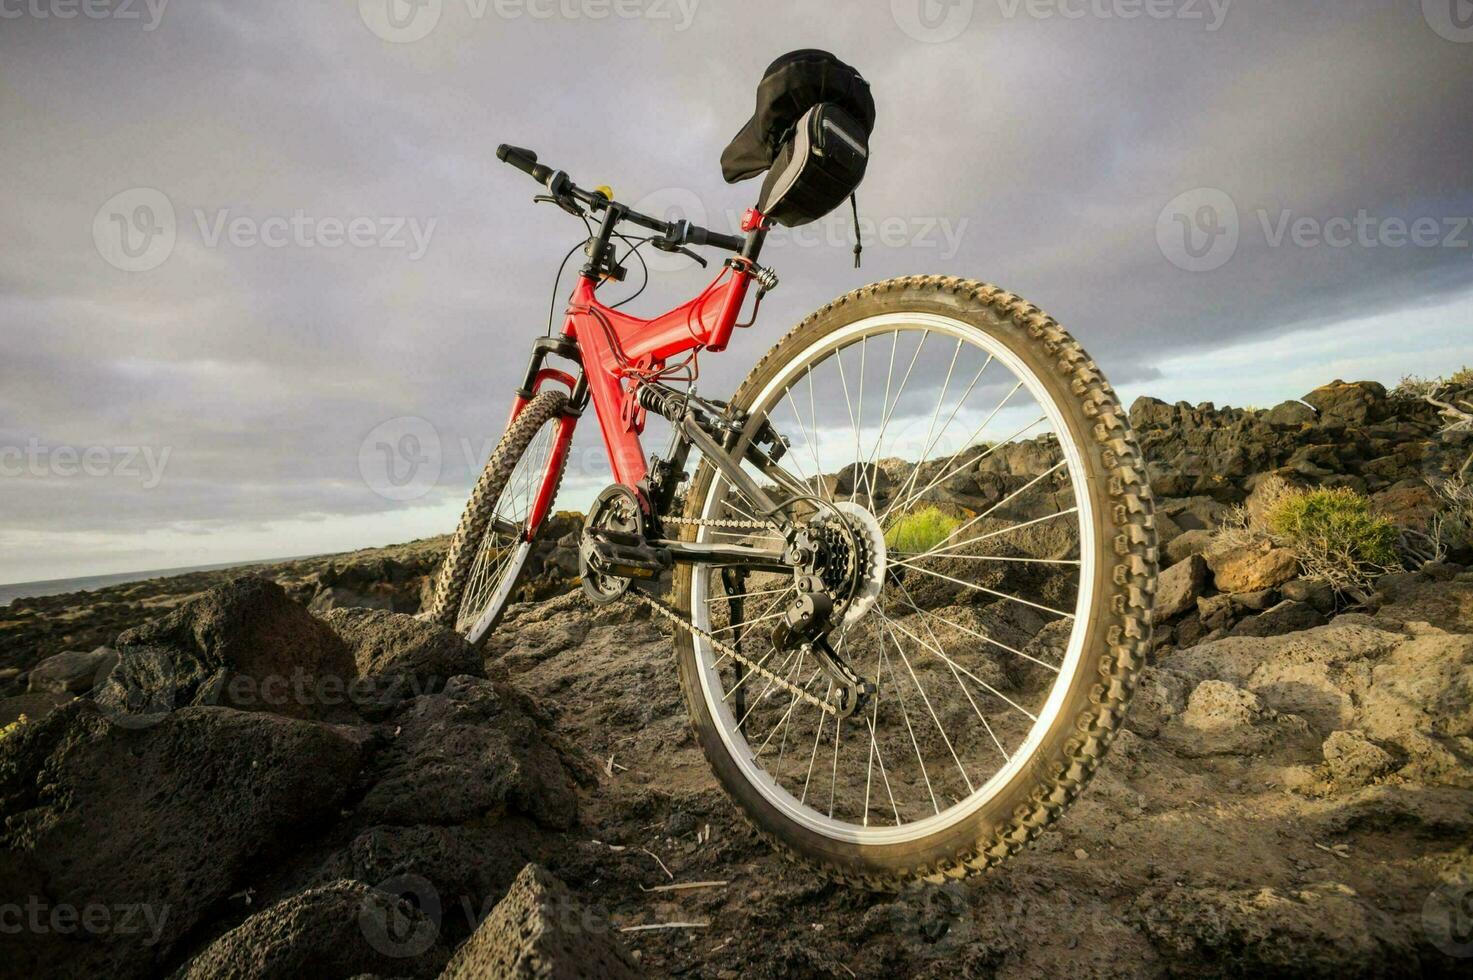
x=816, y=736
x=959, y=680
x=905, y=593
x=745, y=595
x=941, y=654
x=900, y=699
x=901, y=503
x=993, y=592
x=931, y=427
x=957, y=676
x=932, y=711
x=991, y=510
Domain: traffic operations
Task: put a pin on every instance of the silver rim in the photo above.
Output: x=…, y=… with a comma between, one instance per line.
x=504, y=546
x=959, y=691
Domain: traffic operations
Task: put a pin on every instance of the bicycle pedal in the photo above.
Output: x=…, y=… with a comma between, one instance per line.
x=630, y=560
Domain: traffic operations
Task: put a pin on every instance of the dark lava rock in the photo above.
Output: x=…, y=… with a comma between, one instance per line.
x=1286, y=617
x=399, y=657
x=244, y=644
x=1216, y=612
x=469, y=868
x=1356, y=403
x=1319, y=594
x=864, y=478
x=472, y=750
x=31, y=705
x=539, y=930
x=375, y=581
x=1252, y=602
x=1179, y=587
x=164, y=821
x=72, y=672
x=1194, y=542
x=339, y=930
x=552, y=567
x=1324, y=930
x=1290, y=415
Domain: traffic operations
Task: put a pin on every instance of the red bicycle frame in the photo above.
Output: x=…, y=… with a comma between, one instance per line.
x=617, y=352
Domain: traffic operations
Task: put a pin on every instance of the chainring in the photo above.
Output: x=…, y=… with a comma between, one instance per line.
x=616, y=509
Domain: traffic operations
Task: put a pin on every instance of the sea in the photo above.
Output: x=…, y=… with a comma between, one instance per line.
x=86, y=583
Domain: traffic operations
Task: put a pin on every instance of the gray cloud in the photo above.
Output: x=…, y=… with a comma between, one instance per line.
x=1036, y=153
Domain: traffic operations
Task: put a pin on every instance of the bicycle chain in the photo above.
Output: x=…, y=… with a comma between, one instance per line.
x=707, y=522
x=725, y=648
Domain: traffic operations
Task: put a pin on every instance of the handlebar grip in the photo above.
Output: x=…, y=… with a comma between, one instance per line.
x=524, y=160
x=705, y=236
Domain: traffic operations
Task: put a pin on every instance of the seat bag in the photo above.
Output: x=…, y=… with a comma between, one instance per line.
x=820, y=165
x=790, y=87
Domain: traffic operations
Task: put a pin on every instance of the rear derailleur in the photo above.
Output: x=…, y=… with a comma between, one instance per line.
x=805, y=626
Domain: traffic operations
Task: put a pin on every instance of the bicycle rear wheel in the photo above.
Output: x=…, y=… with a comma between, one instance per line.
x=1010, y=530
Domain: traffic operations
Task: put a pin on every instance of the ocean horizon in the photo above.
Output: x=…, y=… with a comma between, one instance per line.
x=87, y=583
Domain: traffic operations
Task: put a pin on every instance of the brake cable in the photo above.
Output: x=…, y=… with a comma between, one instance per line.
x=558, y=279
x=634, y=246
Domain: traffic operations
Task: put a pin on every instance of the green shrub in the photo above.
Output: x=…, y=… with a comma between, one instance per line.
x=10, y=729
x=920, y=530
x=1339, y=521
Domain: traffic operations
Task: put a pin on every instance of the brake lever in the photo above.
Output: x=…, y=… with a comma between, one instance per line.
x=566, y=203
x=666, y=245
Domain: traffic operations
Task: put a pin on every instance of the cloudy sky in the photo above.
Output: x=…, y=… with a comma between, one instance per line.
x=244, y=242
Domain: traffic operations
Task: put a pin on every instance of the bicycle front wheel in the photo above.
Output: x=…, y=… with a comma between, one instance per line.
x=1009, y=563
x=493, y=541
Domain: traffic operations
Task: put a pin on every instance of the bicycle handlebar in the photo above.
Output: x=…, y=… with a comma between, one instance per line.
x=525, y=161
x=675, y=232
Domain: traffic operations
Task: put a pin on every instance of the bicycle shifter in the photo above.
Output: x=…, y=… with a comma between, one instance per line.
x=667, y=245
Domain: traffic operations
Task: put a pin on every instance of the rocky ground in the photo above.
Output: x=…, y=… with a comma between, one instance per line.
x=262, y=778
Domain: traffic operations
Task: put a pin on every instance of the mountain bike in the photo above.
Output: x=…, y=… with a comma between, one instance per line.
x=908, y=564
